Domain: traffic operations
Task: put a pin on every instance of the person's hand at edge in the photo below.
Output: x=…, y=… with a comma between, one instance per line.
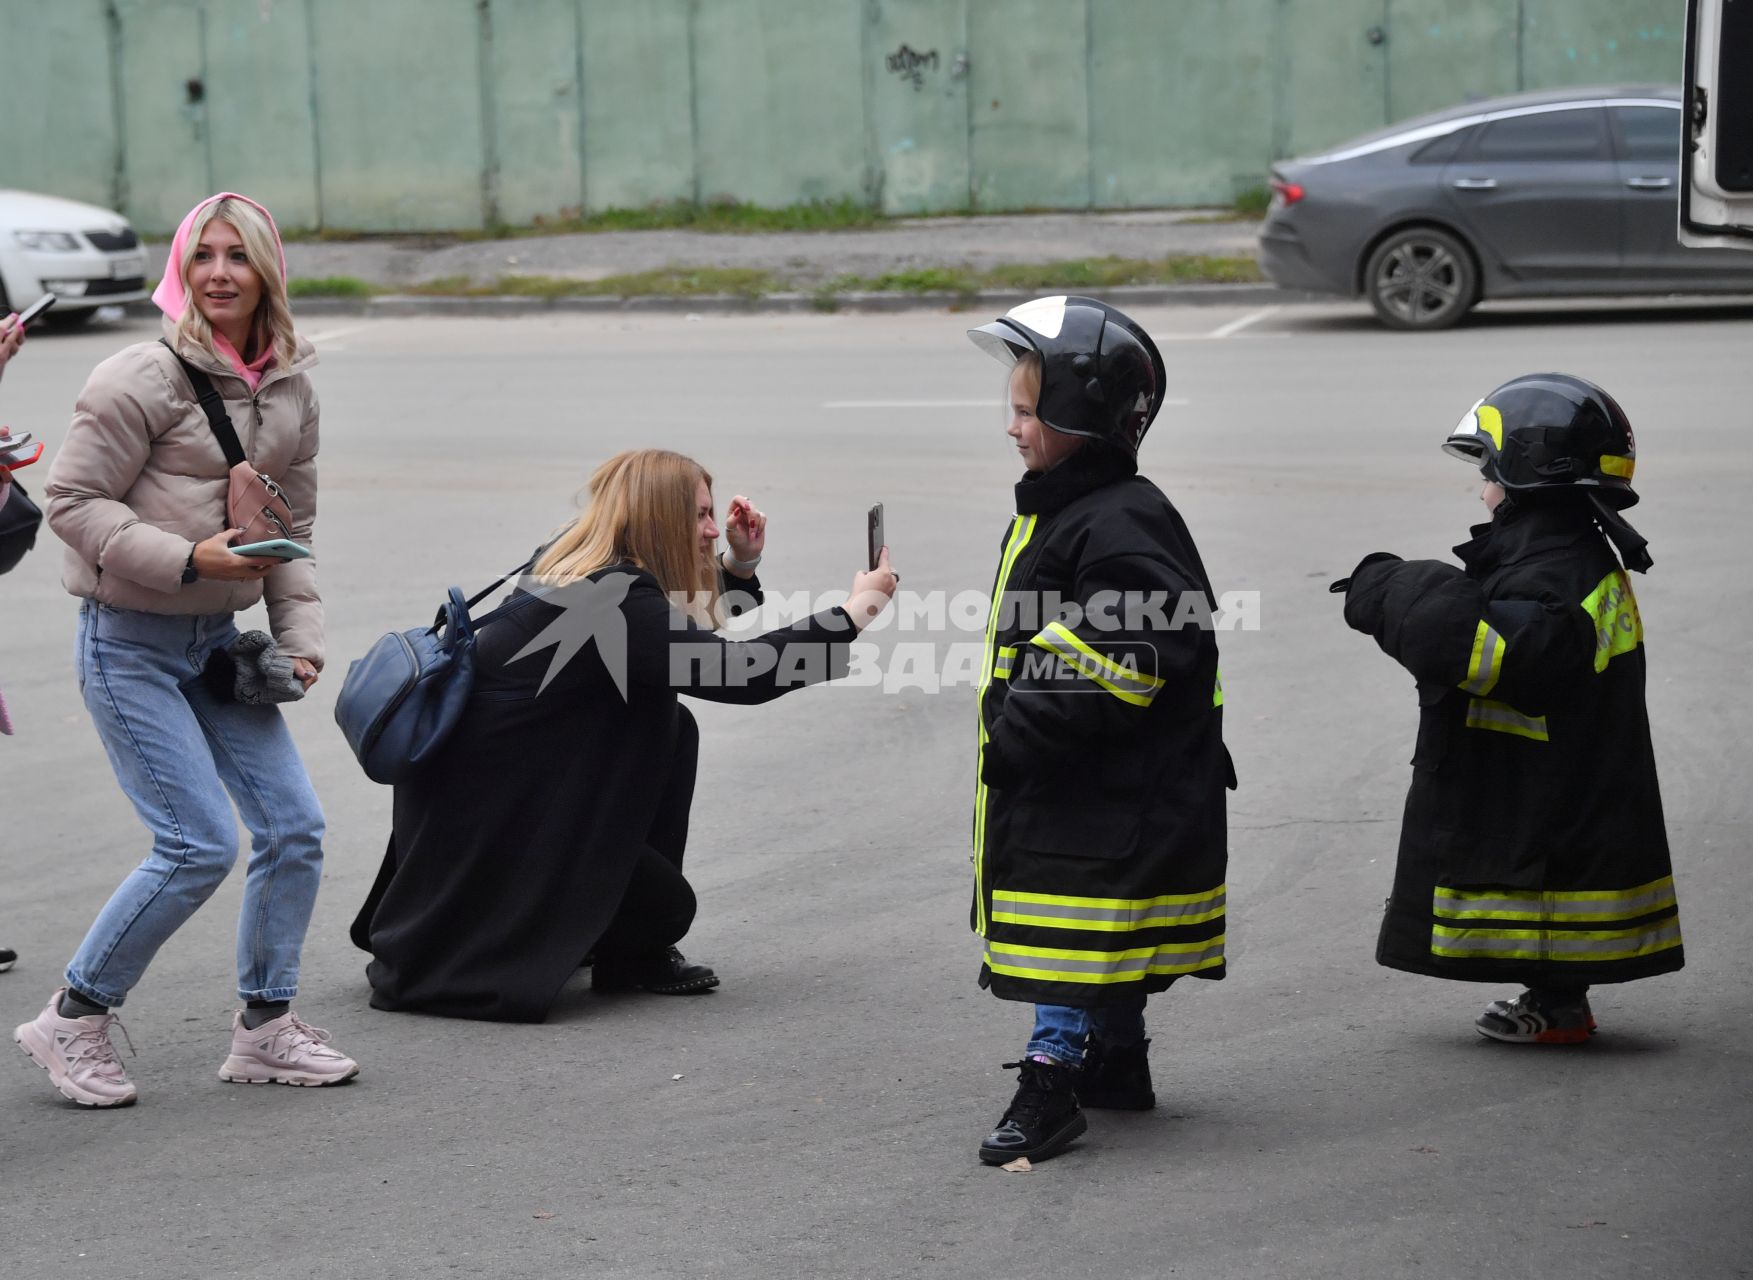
x=871, y=592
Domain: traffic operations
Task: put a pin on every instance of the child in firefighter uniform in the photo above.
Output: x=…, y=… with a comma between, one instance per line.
x=1533, y=849
x=1099, y=822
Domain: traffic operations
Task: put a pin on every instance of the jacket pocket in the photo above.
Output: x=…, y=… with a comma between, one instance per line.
x=1433, y=729
x=1076, y=831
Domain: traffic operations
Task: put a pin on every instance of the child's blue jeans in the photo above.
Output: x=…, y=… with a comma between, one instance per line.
x=1062, y=1030
x=183, y=756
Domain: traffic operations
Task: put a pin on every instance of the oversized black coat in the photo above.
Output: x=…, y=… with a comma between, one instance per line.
x=1100, y=843
x=1533, y=848
x=511, y=851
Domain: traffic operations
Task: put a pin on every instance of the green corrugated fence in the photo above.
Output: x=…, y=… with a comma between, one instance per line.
x=381, y=115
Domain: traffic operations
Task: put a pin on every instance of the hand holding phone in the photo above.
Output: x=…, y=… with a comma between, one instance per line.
x=273, y=549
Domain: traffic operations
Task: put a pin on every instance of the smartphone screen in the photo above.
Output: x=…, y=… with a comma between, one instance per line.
x=876, y=533
x=35, y=309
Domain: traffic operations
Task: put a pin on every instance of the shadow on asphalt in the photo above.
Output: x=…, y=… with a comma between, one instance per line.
x=1521, y=315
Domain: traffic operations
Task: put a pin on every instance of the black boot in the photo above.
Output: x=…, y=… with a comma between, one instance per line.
x=1041, y=1118
x=1116, y=1078
x=666, y=972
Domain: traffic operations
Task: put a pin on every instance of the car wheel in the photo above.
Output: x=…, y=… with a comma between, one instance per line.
x=1421, y=278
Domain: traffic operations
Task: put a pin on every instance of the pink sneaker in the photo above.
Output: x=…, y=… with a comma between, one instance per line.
x=77, y=1053
x=284, y=1051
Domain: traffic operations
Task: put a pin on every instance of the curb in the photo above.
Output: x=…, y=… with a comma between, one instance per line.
x=387, y=305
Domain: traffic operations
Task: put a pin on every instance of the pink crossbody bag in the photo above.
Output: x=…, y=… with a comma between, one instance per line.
x=253, y=503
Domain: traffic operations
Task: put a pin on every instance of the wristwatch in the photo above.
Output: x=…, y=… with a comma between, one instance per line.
x=189, y=574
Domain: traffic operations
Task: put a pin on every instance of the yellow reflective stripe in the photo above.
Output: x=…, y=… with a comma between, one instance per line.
x=1112, y=915
x=1127, y=685
x=1576, y=906
x=1483, y=713
x=1580, y=945
x=1491, y=423
x=1618, y=625
x=1057, y=964
x=1021, y=530
x=1217, y=690
x=1485, y=663
x=1613, y=464
x=1004, y=663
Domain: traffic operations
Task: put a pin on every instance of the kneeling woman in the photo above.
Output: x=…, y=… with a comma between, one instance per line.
x=552, y=824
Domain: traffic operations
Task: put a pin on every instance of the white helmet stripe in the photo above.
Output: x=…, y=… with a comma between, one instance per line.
x=1045, y=316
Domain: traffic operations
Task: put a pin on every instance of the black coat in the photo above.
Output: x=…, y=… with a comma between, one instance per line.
x=1533, y=848
x=1099, y=825
x=510, y=852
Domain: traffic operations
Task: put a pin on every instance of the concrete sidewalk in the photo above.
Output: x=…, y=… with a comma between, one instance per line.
x=805, y=259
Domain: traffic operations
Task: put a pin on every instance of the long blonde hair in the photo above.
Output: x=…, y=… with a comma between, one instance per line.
x=273, y=323
x=641, y=511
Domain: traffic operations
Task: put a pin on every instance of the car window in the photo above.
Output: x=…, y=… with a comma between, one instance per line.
x=1441, y=150
x=1576, y=134
x=1647, y=133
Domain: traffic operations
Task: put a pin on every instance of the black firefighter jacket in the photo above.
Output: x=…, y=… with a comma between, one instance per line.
x=1099, y=826
x=1533, y=848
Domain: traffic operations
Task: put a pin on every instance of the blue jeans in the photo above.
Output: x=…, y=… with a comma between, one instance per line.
x=182, y=756
x=1062, y=1030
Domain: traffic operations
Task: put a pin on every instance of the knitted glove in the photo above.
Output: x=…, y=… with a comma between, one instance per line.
x=264, y=674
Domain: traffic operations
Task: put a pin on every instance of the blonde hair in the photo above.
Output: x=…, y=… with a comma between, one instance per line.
x=272, y=327
x=641, y=511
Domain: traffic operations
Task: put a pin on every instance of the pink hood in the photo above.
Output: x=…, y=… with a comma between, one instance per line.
x=173, y=299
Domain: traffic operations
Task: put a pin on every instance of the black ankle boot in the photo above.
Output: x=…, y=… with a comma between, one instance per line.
x=666, y=972
x=1115, y=1078
x=1041, y=1118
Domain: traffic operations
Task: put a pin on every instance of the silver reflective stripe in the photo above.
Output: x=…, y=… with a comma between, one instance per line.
x=1482, y=677
x=1100, y=966
x=1500, y=716
x=1614, y=944
x=1458, y=905
x=1142, y=915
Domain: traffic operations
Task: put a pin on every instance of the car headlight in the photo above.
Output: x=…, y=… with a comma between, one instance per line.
x=48, y=241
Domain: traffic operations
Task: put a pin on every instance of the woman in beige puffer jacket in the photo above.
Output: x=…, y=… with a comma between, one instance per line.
x=138, y=494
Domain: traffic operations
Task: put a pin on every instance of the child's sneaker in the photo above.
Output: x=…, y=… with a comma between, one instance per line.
x=77, y=1053
x=8, y=958
x=1527, y=1020
x=1041, y=1118
x=284, y=1051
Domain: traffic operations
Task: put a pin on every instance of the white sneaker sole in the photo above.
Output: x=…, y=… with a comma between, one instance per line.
x=245, y=1071
x=65, y=1087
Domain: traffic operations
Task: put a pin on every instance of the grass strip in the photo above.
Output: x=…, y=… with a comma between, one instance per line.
x=1078, y=274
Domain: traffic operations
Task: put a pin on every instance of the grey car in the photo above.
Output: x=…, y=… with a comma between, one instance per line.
x=1530, y=195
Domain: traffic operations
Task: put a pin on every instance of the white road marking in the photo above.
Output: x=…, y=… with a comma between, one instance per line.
x=935, y=404
x=1237, y=325
x=329, y=335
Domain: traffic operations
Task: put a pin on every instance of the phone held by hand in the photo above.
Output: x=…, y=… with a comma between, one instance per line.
x=274, y=548
x=35, y=309
x=875, y=533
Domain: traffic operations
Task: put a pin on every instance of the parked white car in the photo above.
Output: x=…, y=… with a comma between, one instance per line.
x=86, y=256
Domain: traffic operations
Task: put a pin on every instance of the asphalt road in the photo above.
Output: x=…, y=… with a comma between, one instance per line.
x=817, y=1116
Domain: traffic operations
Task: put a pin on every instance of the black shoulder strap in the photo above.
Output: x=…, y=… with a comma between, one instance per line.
x=213, y=406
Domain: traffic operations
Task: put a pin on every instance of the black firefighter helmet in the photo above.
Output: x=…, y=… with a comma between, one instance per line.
x=1547, y=433
x=1101, y=375
x=1550, y=431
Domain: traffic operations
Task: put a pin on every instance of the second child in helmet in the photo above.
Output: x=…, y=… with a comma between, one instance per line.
x=1533, y=849
x=1099, y=818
